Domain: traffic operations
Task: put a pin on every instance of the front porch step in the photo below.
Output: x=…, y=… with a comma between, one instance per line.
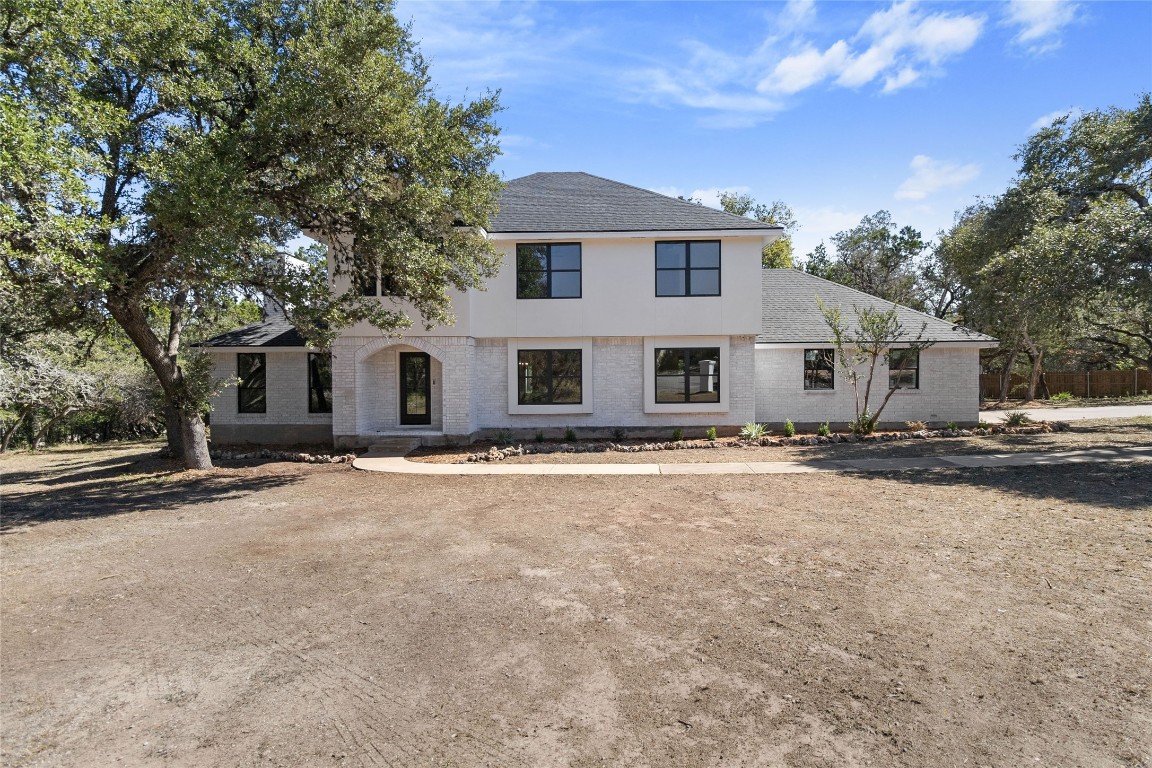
x=395, y=445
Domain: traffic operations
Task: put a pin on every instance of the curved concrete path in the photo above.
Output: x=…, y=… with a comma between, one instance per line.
x=398, y=464
x=1074, y=414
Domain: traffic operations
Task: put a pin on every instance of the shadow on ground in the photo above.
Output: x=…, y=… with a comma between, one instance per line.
x=65, y=486
x=1124, y=486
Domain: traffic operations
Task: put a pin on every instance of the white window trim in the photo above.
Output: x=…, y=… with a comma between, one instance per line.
x=586, y=362
x=652, y=343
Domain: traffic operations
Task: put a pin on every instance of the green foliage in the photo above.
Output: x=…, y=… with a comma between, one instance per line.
x=789, y=428
x=156, y=156
x=876, y=257
x=504, y=437
x=753, y=431
x=777, y=254
x=711, y=433
x=1016, y=418
x=1062, y=397
x=824, y=430
x=863, y=424
x=569, y=435
x=859, y=345
x=952, y=426
x=539, y=435
x=677, y=435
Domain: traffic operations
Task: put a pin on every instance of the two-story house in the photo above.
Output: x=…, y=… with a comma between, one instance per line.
x=615, y=307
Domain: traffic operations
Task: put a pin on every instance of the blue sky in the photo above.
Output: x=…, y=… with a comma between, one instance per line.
x=838, y=109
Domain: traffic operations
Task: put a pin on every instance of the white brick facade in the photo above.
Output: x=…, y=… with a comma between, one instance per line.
x=949, y=390
x=286, y=418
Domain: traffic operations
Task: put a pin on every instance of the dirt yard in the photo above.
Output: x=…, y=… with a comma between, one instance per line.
x=285, y=614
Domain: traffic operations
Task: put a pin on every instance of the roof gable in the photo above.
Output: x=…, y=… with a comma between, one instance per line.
x=581, y=202
x=791, y=315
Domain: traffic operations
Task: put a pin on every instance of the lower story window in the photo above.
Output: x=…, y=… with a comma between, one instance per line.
x=904, y=369
x=819, y=369
x=688, y=375
x=549, y=376
x=252, y=391
x=319, y=383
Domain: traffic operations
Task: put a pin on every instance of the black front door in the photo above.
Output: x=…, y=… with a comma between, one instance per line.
x=415, y=388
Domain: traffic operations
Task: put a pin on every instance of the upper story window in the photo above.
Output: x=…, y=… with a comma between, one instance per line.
x=548, y=270
x=688, y=268
x=252, y=391
x=319, y=382
x=819, y=369
x=903, y=369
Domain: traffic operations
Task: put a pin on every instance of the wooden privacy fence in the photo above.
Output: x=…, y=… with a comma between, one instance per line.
x=1079, y=383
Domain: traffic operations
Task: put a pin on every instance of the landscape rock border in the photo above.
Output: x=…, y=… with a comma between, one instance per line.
x=499, y=454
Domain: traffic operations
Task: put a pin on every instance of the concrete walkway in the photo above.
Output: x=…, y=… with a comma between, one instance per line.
x=1074, y=414
x=398, y=464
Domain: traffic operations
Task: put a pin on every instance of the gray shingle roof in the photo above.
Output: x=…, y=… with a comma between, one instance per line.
x=275, y=331
x=580, y=202
x=791, y=315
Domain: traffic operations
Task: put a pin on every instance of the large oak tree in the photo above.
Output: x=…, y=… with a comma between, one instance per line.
x=157, y=154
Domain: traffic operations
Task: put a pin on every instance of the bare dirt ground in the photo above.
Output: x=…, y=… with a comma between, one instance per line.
x=1095, y=433
x=286, y=614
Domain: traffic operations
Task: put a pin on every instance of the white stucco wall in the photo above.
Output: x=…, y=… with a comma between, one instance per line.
x=618, y=297
x=949, y=390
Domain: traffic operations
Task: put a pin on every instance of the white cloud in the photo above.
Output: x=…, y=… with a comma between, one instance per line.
x=1046, y=120
x=900, y=44
x=930, y=175
x=709, y=196
x=1040, y=22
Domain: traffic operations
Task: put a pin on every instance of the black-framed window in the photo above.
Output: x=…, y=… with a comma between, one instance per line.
x=688, y=268
x=252, y=391
x=903, y=369
x=549, y=376
x=688, y=375
x=819, y=369
x=548, y=270
x=319, y=382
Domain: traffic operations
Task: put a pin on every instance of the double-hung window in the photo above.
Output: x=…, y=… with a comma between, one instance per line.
x=903, y=369
x=819, y=369
x=548, y=270
x=252, y=391
x=688, y=268
x=688, y=375
x=319, y=382
x=549, y=376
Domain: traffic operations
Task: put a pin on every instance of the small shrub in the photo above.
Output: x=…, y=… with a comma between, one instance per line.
x=983, y=425
x=569, y=435
x=862, y=425
x=539, y=435
x=504, y=437
x=677, y=435
x=1016, y=418
x=789, y=428
x=952, y=426
x=753, y=431
x=915, y=426
x=619, y=433
x=1062, y=397
x=711, y=433
x=824, y=430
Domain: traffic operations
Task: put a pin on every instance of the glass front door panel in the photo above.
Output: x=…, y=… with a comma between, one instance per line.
x=415, y=388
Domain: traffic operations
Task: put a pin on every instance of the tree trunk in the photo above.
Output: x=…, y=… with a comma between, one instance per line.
x=1036, y=358
x=161, y=358
x=1006, y=376
x=172, y=431
x=7, y=440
